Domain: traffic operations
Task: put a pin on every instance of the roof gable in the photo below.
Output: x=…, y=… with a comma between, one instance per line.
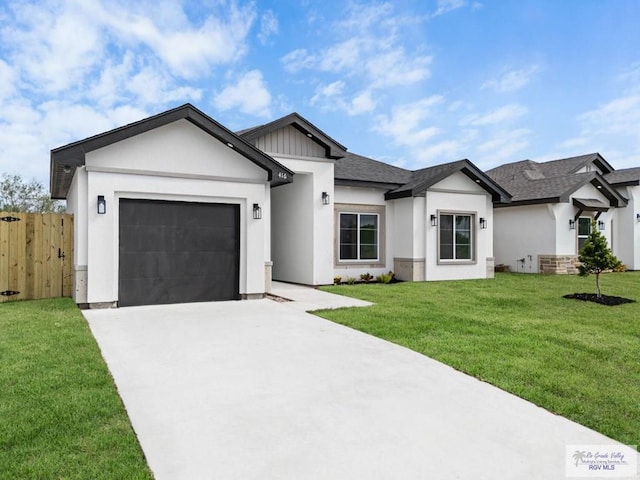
x=332, y=148
x=66, y=158
x=422, y=180
x=551, y=182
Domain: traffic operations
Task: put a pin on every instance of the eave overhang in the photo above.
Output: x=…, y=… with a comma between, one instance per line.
x=65, y=159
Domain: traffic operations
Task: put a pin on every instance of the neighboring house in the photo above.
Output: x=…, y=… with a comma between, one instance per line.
x=626, y=238
x=553, y=204
x=177, y=208
x=346, y=215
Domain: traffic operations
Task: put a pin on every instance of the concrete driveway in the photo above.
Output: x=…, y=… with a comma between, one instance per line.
x=261, y=390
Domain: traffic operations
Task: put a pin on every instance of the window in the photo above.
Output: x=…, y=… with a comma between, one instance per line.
x=359, y=236
x=584, y=229
x=456, y=236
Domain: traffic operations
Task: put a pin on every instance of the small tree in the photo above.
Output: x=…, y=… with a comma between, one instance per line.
x=17, y=195
x=596, y=257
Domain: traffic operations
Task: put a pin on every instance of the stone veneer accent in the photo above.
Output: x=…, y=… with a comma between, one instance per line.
x=558, y=264
x=409, y=269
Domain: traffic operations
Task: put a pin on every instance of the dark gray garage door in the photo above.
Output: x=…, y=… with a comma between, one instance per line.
x=178, y=252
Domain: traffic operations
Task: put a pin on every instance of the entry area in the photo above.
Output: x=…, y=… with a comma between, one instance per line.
x=178, y=252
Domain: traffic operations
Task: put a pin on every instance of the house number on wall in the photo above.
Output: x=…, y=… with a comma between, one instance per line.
x=282, y=175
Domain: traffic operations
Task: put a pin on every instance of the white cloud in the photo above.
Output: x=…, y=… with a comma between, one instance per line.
x=503, y=147
x=367, y=53
x=445, y=6
x=512, y=80
x=328, y=92
x=362, y=103
x=395, y=68
x=248, y=93
x=54, y=46
x=8, y=80
x=268, y=26
x=405, y=123
x=297, y=60
x=612, y=129
x=500, y=115
x=189, y=51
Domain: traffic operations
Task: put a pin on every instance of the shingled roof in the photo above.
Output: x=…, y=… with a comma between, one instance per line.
x=626, y=177
x=356, y=169
x=553, y=182
x=64, y=160
x=424, y=178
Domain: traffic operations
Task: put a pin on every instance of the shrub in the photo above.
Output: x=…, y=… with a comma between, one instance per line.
x=385, y=277
x=596, y=257
x=366, y=277
x=337, y=280
x=351, y=280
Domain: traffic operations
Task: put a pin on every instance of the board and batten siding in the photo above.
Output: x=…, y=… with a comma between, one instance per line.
x=289, y=141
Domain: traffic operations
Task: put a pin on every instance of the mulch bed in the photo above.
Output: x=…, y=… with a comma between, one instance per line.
x=603, y=300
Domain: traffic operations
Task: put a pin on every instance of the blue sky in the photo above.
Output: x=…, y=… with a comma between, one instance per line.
x=413, y=83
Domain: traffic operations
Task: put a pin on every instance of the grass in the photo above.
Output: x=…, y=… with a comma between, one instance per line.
x=61, y=416
x=576, y=359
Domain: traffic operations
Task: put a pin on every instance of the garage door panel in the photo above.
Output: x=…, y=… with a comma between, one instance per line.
x=173, y=252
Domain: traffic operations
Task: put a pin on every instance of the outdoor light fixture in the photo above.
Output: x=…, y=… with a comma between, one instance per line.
x=483, y=223
x=434, y=221
x=257, y=212
x=102, y=205
x=638, y=216
x=326, y=199
x=572, y=224
x=600, y=225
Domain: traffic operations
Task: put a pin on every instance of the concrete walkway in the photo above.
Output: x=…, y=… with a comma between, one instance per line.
x=262, y=390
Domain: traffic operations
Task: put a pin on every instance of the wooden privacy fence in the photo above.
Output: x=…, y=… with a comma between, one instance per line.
x=36, y=255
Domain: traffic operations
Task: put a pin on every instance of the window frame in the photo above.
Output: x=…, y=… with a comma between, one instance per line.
x=358, y=240
x=473, y=216
x=578, y=235
x=360, y=209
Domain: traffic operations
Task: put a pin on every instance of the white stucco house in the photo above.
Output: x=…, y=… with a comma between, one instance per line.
x=177, y=208
x=164, y=211
x=553, y=205
x=626, y=236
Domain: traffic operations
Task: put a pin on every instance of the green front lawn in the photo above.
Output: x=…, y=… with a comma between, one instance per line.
x=60, y=414
x=578, y=359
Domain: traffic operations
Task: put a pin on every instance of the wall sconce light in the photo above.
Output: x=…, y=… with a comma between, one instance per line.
x=326, y=198
x=600, y=225
x=102, y=205
x=572, y=224
x=483, y=223
x=638, y=217
x=257, y=212
x=434, y=221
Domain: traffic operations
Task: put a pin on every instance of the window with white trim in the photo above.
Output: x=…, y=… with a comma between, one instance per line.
x=359, y=236
x=456, y=236
x=584, y=229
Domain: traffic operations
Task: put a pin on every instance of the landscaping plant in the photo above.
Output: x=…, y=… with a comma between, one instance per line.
x=596, y=257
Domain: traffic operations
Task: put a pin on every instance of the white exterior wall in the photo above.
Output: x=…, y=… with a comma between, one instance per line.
x=366, y=197
x=532, y=230
x=77, y=205
x=524, y=232
x=177, y=162
x=302, y=230
x=626, y=230
x=458, y=193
